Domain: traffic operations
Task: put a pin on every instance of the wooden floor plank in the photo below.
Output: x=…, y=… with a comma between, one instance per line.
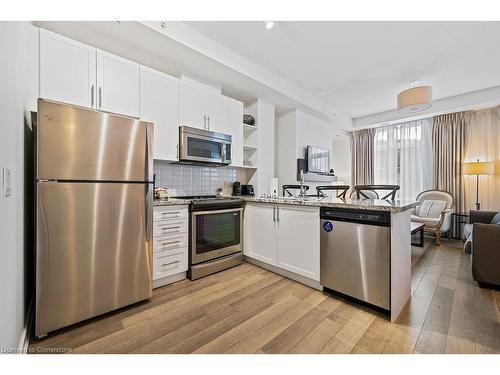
x=247, y=309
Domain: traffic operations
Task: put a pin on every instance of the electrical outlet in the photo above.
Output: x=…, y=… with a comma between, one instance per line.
x=7, y=182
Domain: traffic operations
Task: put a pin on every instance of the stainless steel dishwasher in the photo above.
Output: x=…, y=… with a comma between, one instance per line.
x=356, y=254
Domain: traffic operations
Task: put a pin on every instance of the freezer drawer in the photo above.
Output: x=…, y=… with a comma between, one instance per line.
x=94, y=250
x=355, y=260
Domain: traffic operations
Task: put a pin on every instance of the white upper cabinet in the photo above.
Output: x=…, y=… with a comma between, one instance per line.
x=299, y=253
x=117, y=84
x=160, y=105
x=233, y=125
x=67, y=70
x=214, y=110
x=201, y=107
x=191, y=109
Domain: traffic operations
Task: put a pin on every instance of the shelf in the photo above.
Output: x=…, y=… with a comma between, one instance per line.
x=249, y=128
x=247, y=167
x=249, y=148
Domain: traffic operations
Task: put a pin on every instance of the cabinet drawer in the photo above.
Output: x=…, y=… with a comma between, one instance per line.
x=170, y=242
x=167, y=263
x=170, y=213
x=162, y=228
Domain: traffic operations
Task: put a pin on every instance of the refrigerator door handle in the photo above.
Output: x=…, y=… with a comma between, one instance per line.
x=149, y=216
x=149, y=152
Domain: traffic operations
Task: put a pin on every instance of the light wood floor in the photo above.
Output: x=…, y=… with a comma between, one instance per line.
x=250, y=310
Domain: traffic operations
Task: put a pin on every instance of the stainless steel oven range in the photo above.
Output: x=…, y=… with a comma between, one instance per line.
x=216, y=234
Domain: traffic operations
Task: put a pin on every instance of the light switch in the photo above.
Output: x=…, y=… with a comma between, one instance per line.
x=7, y=182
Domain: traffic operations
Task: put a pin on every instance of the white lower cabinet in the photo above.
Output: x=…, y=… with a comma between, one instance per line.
x=170, y=244
x=298, y=240
x=283, y=236
x=259, y=233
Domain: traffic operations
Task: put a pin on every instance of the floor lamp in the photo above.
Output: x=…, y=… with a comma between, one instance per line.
x=478, y=168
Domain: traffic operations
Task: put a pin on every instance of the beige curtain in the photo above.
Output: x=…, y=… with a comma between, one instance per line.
x=362, y=154
x=449, y=143
x=484, y=144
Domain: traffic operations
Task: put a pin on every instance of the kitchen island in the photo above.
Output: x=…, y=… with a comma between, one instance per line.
x=285, y=235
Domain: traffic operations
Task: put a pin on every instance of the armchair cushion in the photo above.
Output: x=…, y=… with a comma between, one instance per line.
x=429, y=222
x=431, y=208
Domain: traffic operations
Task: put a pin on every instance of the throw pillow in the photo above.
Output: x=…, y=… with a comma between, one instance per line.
x=496, y=219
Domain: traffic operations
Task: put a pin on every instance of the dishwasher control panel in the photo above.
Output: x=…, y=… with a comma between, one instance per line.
x=379, y=218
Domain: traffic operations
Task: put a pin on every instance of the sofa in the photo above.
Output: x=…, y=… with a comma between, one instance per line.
x=483, y=234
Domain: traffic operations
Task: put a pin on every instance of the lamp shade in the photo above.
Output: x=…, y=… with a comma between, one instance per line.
x=479, y=167
x=415, y=99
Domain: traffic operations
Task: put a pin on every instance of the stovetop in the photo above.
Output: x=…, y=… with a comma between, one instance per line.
x=212, y=201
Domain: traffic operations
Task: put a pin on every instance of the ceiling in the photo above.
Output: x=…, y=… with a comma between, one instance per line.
x=359, y=67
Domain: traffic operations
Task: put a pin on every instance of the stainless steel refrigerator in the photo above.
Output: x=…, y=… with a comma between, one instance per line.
x=94, y=196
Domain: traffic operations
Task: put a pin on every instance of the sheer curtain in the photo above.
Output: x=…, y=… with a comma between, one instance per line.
x=403, y=156
x=484, y=144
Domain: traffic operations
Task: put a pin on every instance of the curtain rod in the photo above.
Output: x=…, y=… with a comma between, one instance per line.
x=429, y=115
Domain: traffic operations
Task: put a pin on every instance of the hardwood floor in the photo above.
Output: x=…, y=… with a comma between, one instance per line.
x=250, y=310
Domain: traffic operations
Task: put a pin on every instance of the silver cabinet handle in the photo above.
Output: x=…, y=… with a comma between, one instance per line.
x=208, y=120
x=171, y=213
x=170, y=243
x=205, y=122
x=100, y=97
x=274, y=214
x=278, y=214
x=164, y=229
x=170, y=263
x=92, y=96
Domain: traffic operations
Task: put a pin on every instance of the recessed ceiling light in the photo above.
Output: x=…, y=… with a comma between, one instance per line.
x=269, y=24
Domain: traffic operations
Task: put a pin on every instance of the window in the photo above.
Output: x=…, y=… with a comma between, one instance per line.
x=403, y=156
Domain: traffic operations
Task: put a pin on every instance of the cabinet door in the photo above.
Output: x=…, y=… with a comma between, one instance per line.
x=233, y=120
x=214, y=109
x=67, y=70
x=118, y=84
x=191, y=110
x=160, y=105
x=298, y=240
x=259, y=233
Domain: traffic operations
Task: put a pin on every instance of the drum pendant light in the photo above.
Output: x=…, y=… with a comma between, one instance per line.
x=415, y=99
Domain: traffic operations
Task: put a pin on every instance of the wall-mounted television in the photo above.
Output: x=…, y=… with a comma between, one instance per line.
x=318, y=160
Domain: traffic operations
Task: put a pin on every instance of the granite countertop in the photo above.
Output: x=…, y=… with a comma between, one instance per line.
x=170, y=202
x=363, y=204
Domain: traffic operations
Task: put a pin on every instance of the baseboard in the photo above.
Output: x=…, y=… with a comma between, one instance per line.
x=168, y=280
x=290, y=275
x=24, y=341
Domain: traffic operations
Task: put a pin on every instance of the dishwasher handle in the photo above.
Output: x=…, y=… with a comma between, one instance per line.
x=368, y=217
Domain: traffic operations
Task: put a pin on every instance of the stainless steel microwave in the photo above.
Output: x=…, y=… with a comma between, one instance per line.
x=199, y=146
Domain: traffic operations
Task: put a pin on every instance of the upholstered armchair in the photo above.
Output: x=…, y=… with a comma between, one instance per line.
x=434, y=212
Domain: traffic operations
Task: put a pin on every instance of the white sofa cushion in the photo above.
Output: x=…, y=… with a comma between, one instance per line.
x=431, y=208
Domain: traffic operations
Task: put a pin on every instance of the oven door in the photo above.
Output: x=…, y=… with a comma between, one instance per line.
x=200, y=148
x=215, y=234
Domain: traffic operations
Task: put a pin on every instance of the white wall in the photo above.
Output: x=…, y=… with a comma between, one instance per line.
x=14, y=40
x=341, y=159
x=295, y=131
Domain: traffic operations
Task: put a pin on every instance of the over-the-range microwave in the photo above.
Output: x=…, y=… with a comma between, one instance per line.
x=199, y=146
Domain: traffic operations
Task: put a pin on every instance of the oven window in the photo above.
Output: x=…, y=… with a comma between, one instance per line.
x=217, y=231
x=202, y=148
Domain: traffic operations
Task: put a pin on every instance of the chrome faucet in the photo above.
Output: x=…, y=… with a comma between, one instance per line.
x=302, y=193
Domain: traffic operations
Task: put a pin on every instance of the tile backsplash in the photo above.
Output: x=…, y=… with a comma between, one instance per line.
x=195, y=180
